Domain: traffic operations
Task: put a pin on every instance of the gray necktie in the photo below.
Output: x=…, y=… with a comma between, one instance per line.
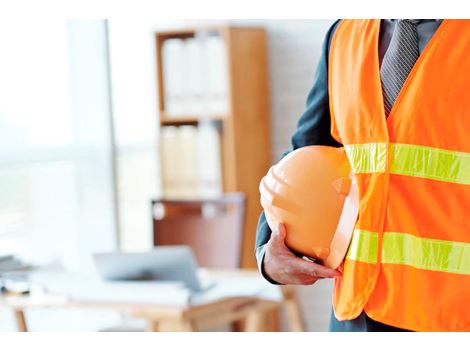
x=401, y=55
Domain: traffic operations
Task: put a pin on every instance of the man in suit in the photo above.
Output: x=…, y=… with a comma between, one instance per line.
x=276, y=262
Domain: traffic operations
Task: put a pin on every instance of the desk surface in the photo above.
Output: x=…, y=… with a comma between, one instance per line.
x=210, y=312
x=229, y=287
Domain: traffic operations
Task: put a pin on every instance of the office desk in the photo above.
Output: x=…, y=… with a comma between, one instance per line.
x=246, y=313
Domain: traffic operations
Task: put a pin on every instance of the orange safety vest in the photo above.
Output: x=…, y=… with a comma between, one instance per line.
x=408, y=264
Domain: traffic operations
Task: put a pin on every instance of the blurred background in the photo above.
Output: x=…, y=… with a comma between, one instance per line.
x=123, y=135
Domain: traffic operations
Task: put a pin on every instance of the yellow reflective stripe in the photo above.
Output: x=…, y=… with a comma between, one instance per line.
x=363, y=247
x=367, y=158
x=427, y=254
x=411, y=250
x=411, y=160
x=432, y=163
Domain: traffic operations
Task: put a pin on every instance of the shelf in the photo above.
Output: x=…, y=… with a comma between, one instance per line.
x=245, y=127
x=184, y=33
x=178, y=120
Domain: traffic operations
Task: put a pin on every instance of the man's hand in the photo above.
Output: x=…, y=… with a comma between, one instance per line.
x=284, y=267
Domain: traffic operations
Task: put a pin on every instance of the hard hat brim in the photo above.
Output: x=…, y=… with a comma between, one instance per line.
x=344, y=232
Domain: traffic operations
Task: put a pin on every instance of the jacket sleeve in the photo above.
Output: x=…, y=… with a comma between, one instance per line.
x=313, y=128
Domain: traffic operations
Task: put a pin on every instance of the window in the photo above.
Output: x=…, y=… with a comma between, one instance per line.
x=133, y=72
x=57, y=191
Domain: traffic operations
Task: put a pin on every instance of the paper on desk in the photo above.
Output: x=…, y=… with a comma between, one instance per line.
x=94, y=289
x=238, y=287
x=88, y=288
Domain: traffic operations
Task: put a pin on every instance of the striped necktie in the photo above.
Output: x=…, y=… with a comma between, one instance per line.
x=401, y=55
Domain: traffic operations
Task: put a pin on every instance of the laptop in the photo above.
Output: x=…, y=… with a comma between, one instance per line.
x=163, y=263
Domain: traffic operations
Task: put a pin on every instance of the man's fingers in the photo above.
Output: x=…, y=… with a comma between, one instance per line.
x=294, y=265
x=317, y=270
x=322, y=271
x=306, y=280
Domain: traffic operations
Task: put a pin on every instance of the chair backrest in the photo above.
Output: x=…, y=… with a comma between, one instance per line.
x=213, y=228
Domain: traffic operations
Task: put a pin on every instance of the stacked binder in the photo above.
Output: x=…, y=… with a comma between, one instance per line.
x=191, y=161
x=195, y=75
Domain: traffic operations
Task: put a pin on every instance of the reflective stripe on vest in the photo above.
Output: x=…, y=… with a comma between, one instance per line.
x=401, y=248
x=411, y=160
x=406, y=249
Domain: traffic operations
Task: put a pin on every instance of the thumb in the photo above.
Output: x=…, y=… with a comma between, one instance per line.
x=279, y=234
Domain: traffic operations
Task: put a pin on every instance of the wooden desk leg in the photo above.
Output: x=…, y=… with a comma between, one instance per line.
x=152, y=326
x=294, y=315
x=238, y=326
x=253, y=322
x=258, y=321
x=292, y=307
x=170, y=325
x=20, y=320
x=186, y=325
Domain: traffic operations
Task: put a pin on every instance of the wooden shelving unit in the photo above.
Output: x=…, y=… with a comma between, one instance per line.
x=186, y=120
x=245, y=128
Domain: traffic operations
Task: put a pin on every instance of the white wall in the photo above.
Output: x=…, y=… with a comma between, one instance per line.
x=294, y=50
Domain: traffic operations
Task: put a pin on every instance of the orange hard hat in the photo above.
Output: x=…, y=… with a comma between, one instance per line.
x=313, y=193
